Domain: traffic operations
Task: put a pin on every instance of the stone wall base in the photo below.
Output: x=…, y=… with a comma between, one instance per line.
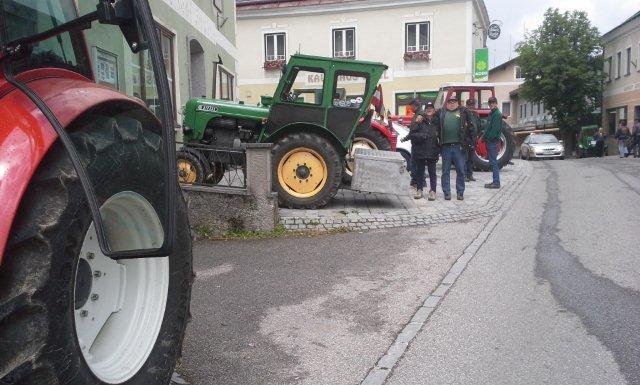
x=220, y=210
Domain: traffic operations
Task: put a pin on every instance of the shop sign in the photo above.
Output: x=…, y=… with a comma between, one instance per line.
x=481, y=65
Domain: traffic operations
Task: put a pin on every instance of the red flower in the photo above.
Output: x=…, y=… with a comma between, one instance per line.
x=274, y=64
x=417, y=55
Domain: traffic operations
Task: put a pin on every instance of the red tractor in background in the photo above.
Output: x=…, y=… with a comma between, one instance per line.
x=95, y=261
x=480, y=92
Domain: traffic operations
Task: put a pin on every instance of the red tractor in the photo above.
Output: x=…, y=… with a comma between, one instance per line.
x=95, y=261
x=464, y=91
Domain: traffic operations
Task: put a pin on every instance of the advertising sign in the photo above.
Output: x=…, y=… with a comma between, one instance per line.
x=481, y=65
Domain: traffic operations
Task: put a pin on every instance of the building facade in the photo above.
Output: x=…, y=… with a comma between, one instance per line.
x=194, y=35
x=621, y=94
x=506, y=79
x=522, y=113
x=425, y=43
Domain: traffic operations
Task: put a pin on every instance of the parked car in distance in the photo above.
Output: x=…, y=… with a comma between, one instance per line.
x=541, y=146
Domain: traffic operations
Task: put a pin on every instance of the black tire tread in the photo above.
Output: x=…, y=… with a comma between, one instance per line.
x=35, y=235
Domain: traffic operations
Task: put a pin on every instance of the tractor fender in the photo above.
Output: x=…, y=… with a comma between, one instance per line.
x=26, y=135
x=386, y=131
x=307, y=127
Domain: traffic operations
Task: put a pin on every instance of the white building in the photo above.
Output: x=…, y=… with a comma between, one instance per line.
x=425, y=43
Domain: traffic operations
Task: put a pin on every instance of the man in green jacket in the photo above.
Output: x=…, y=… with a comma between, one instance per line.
x=472, y=135
x=491, y=137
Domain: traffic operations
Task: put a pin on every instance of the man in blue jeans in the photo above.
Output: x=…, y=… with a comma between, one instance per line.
x=491, y=137
x=454, y=134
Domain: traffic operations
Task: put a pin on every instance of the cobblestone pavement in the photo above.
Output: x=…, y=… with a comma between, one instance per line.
x=364, y=211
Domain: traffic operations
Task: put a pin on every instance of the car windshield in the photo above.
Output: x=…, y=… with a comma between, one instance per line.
x=24, y=18
x=543, y=139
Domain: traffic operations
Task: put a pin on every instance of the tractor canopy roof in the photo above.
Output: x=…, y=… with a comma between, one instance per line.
x=467, y=85
x=309, y=60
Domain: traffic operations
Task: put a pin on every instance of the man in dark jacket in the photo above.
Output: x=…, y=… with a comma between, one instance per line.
x=425, y=149
x=474, y=129
x=454, y=137
x=491, y=136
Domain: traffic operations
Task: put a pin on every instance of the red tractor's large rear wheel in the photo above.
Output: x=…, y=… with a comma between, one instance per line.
x=69, y=314
x=505, y=150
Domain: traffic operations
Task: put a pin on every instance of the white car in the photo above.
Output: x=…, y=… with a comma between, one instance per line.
x=542, y=146
x=404, y=148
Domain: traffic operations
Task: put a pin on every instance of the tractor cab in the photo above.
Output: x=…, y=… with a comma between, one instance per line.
x=480, y=92
x=329, y=94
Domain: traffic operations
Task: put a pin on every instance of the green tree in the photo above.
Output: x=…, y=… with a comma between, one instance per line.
x=562, y=63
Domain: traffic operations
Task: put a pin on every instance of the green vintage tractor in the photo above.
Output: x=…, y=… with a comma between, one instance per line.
x=587, y=141
x=311, y=119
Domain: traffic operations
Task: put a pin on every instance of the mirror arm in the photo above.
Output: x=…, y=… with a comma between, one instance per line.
x=122, y=14
x=80, y=23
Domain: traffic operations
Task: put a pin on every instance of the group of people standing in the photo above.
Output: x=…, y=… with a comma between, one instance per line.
x=452, y=133
x=628, y=139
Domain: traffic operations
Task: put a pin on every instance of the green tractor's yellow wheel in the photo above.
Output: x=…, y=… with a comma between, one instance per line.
x=307, y=170
x=190, y=168
x=302, y=172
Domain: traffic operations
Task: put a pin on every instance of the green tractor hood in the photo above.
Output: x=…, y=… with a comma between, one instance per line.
x=199, y=111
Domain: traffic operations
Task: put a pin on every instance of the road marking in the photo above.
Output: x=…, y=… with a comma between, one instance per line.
x=379, y=374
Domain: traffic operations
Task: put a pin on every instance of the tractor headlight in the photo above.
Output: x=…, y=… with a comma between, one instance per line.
x=187, y=130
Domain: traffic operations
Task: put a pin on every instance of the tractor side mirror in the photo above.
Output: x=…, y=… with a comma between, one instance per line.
x=123, y=14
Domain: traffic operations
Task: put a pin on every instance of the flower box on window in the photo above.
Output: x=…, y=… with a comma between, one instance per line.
x=344, y=55
x=274, y=64
x=417, y=56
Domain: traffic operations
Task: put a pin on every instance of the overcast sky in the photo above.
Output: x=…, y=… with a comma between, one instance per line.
x=516, y=15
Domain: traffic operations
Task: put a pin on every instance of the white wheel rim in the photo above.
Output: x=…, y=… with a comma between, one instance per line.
x=358, y=143
x=117, y=329
x=503, y=150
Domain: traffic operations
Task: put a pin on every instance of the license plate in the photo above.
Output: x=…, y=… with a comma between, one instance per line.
x=593, y=142
x=548, y=153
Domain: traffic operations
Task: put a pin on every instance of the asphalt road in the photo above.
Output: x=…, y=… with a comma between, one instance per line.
x=317, y=310
x=550, y=297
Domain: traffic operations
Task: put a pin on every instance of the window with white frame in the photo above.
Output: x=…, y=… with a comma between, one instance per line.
x=518, y=72
x=344, y=43
x=274, y=46
x=417, y=37
x=506, y=108
x=618, y=64
x=628, y=61
x=226, y=84
x=608, y=67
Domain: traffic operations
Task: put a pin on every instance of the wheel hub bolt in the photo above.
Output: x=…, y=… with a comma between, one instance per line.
x=84, y=313
x=94, y=297
x=97, y=274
